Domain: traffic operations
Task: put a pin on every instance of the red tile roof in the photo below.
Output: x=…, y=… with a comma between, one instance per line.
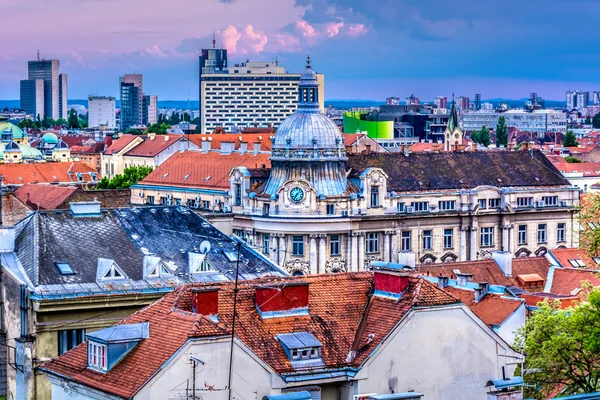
x=216, y=139
x=203, y=170
x=488, y=271
x=564, y=255
x=351, y=138
x=121, y=143
x=51, y=172
x=342, y=316
x=44, y=197
x=566, y=281
x=493, y=309
x=153, y=145
x=588, y=169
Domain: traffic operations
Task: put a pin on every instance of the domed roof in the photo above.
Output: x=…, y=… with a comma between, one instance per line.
x=27, y=152
x=307, y=129
x=5, y=125
x=50, y=138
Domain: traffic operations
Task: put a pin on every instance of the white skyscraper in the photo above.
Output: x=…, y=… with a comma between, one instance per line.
x=102, y=112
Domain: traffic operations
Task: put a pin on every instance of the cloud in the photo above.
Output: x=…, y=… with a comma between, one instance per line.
x=355, y=30
x=306, y=29
x=332, y=29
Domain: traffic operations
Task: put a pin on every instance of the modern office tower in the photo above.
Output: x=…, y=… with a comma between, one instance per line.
x=63, y=108
x=55, y=87
x=150, y=110
x=571, y=100
x=392, y=101
x=463, y=103
x=102, y=112
x=539, y=121
x=596, y=98
x=441, y=102
x=477, y=101
x=132, y=99
x=32, y=97
x=583, y=99
x=247, y=94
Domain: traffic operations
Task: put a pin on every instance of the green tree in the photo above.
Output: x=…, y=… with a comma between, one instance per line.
x=570, y=140
x=588, y=120
x=61, y=122
x=482, y=137
x=131, y=131
x=186, y=117
x=48, y=122
x=562, y=347
x=159, y=129
x=174, y=120
x=130, y=176
x=73, y=119
x=475, y=136
x=572, y=160
x=596, y=121
x=589, y=218
x=501, y=133
x=26, y=124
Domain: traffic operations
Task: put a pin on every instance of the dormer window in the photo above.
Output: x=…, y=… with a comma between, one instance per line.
x=302, y=348
x=374, y=196
x=107, y=347
x=97, y=356
x=198, y=263
x=109, y=270
x=113, y=273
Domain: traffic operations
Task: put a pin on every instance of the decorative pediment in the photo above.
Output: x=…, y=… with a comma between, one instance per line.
x=297, y=266
x=335, y=265
x=541, y=251
x=428, y=259
x=449, y=257
x=522, y=253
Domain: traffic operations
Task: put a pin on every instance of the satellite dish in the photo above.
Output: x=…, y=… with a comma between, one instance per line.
x=204, y=247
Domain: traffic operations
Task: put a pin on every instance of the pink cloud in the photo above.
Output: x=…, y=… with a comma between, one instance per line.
x=285, y=42
x=246, y=40
x=254, y=41
x=229, y=38
x=306, y=29
x=332, y=29
x=357, y=30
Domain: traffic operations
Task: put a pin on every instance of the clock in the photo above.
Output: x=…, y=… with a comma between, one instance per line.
x=297, y=194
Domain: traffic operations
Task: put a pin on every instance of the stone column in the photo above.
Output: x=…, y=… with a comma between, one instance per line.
x=463, y=243
x=313, y=254
x=354, y=251
x=394, y=246
x=473, y=244
x=322, y=252
x=505, y=232
x=349, y=258
x=273, y=248
x=361, y=251
x=282, y=251
x=511, y=238
x=386, y=246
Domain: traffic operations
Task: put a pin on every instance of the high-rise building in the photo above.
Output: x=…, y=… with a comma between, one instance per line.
x=392, y=101
x=132, y=98
x=32, y=97
x=246, y=94
x=441, y=102
x=478, y=101
x=583, y=99
x=571, y=100
x=55, y=88
x=150, y=110
x=463, y=103
x=412, y=100
x=596, y=98
x=102, y=112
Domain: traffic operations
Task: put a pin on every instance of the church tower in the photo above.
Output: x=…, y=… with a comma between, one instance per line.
x=453, y=135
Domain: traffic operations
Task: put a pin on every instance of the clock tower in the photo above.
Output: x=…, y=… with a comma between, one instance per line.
x=453, y=135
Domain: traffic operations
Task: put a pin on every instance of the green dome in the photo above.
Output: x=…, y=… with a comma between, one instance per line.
x=17, y=133
x=27, y=152
x=50, y=138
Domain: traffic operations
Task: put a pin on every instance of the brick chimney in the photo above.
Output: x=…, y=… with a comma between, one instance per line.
x=205, y=301
x=390, y=279
x=290, y=299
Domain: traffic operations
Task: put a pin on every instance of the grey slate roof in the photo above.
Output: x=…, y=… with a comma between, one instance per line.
x=125, y=235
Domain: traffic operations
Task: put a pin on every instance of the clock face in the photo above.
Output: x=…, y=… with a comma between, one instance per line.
x=296, y=194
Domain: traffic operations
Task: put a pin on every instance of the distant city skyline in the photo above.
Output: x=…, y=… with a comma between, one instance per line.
x=366, y=50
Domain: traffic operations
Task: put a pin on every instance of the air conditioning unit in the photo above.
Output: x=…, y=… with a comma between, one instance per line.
x=564, y=203
x=141, y=194
x=169, y=196
x=541, y=204
x=344, y=213
x=409, y=209
x=197, y=199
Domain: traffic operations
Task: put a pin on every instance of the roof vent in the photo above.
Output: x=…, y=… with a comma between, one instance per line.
x=504, y=261
x=283, y=300
x=85, y=209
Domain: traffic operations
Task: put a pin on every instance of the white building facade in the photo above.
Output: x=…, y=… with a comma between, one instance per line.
x=102, y=112
x=540, y=121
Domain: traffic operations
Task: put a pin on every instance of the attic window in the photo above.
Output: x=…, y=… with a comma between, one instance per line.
x=65, y=268
x=97, y=356
x=113, y=273
x=597, y=260
x=231, y=256
x=577, y=263
x=302, y=349
x=160, y=270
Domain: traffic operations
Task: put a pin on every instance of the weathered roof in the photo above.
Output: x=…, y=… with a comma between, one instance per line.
x=568, y=281
x=51, y=172
x=121, y=143
x=153, y=145
x=460, y=170
x=44, y=197
x=493, y=309
x=216, y=140
x=125, y=236
x=339, y=306
x=564, y=256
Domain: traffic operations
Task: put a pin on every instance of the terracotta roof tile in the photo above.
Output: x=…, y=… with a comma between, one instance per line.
x=566, y=281
x=203, y=170
x=44, y=197
x=343, y=314
x=121, y=143
x=493, y=309
x=153, y=145
x=217, y=139
x=51, y=172
x=564, y=256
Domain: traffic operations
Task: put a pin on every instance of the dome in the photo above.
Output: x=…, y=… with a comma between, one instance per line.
x=307, y=129
x=17, y=133
x=50, y=138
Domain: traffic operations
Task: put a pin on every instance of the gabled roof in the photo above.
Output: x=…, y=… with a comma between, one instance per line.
x=153, y=145
x=121, y=143
x=566, y=281
x=192, y=168
x=341, y=305
x=569, y=257
x=44, y=197
x=493, y=309
x=50, y=172
x=460, y=170
x=216, y=140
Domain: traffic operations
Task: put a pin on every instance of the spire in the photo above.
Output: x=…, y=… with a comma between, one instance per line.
x=308, y=61
x=308, y=89
x=453, y=120
x=214, y=41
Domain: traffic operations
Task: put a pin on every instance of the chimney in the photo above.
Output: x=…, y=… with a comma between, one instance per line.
x=504, y=261
x=85, y=208
x=243, y=147
x=481, y=291
x=205, y=145
x=442, y=281
x=407, y=258
x=205, y=301
x=284, y=300
x=390, y=279
x=151, y=136
x=463, y=278
x=166, y=138
x=7, y=239
x=226, y=147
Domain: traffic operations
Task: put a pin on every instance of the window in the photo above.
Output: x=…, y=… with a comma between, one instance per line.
x=420, y=206
x=561, y=232
x=448, y=236
x=298, y=245
x=266, y=209
x=150, y=199
x=97, y=356
x=330, y=209
x=405, y=241
x=487, y=236
x=542, y=233
x=69, y=339
x=494, y=203
x=266, y=243
x=427, y=236
x=113, y=273
x=65, y=268
x=447, y=205
x=522, y=234
x=374, y=196
x=400, y=207
x=206, y=204
x=163, y=201
x=577, y=263
x=524, y=201
x=334, y=245
x=482, y=204
x=238, y=194
x=550, y=201
x=372, y=245
x=178, y=202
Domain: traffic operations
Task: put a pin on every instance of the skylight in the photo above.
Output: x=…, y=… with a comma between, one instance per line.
x=65, y=268
x=185, y=177
x=577, y=263
x=165, y=175
x=231, y=256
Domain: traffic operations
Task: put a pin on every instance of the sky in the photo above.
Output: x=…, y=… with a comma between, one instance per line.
x=366, y=49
